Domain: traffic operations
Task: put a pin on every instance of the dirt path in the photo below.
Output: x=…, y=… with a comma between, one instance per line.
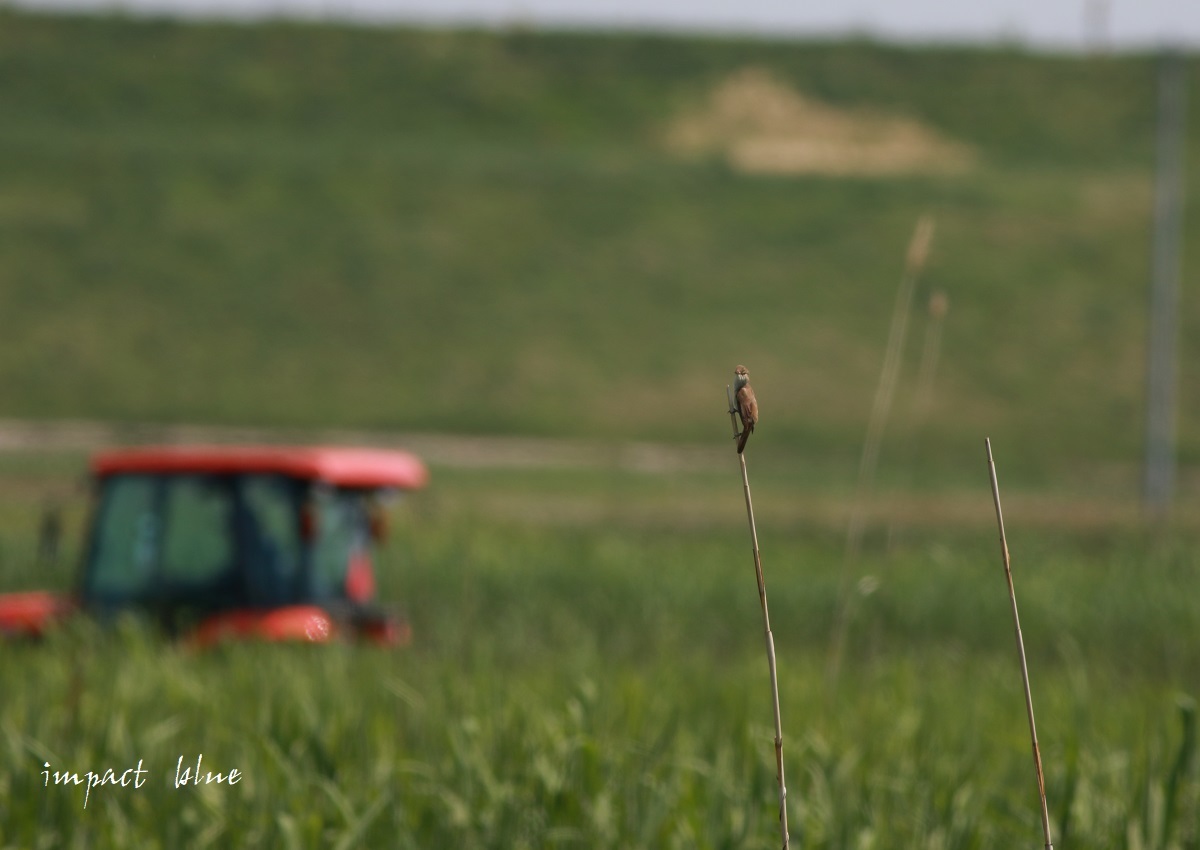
x=19, y=435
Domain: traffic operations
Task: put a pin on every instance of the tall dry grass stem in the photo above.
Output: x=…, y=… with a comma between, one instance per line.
x=1012, y=598
x=939, y=305
x=918, y=253
x=922, y=402
x=769, y=639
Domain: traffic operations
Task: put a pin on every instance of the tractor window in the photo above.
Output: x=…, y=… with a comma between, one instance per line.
x=340, y=531
x=270, y=538
x=125, y=547
x=197, y=544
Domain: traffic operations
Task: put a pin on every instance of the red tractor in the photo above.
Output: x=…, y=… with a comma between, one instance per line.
x=249, y=542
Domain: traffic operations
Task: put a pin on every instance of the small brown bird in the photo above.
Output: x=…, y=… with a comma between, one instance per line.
x=747, y=405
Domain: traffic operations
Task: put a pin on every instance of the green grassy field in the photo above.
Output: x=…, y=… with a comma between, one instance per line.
x=303, y=226
x=594, y=677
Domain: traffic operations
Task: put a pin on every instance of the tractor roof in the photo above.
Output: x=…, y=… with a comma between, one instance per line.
x=342, y=467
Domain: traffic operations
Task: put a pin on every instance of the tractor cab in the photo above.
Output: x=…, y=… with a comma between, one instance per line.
x=221, y=542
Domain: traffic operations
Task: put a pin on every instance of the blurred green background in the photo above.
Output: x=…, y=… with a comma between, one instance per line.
x=489, y=232
x=564, y=243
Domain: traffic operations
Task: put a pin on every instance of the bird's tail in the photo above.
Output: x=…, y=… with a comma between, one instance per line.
x=747, y=430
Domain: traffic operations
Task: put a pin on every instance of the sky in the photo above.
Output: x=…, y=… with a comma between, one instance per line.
x=1071, y=25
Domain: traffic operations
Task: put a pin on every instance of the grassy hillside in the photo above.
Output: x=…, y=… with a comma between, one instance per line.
x=487, y=232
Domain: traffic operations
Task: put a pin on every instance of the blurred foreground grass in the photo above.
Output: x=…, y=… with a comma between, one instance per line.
x=589, y=678
x=351, y=747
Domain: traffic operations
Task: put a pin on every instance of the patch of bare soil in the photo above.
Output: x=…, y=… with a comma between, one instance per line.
x=761, y=125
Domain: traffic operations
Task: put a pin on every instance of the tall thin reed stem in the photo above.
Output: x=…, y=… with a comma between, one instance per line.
x=918, y=253
x=769, y=639
x=1012, y=597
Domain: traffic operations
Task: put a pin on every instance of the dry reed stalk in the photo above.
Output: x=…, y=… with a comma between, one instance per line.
x=923, y=397
x=769, y=639
x=939, y=304
x=1012, y=597
x=918, y=253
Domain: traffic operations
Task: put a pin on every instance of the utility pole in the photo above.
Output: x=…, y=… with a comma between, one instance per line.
x=1161, y=360
x=1095, y=26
